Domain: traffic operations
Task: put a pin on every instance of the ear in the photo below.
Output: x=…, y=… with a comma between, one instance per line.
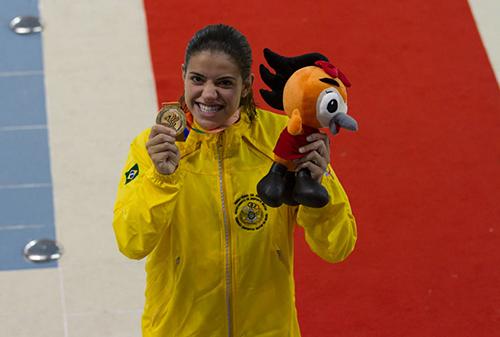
x=247, y=85
x=183, y=69
x=294, y=125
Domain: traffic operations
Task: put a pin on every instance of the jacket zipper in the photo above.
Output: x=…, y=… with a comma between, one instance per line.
x=227, y=233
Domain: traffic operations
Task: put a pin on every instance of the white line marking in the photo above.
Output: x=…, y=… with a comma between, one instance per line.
x=21, y=73
x=23, y=127
x=16, y=227
x=17, y=186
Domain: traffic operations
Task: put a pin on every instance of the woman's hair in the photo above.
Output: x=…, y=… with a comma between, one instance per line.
x=228, y=40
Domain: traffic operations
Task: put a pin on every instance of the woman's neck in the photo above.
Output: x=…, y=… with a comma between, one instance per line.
x=230, y=121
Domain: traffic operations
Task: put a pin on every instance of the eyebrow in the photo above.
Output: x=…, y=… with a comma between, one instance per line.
x=195, y=73
x=329, y=81
x=226, y=77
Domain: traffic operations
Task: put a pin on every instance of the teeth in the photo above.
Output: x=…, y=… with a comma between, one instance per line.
x=208, y=108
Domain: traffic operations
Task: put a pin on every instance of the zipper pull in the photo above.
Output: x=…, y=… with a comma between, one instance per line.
x=220, y=140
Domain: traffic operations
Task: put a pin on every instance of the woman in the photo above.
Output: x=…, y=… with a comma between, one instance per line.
x=219, y=261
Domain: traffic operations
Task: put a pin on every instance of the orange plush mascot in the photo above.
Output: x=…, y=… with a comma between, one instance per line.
x=313, y=94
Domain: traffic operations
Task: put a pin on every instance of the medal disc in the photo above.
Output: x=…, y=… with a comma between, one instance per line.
x=172, y=115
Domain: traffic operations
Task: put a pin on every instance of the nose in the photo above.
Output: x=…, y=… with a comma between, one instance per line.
x=209, y=92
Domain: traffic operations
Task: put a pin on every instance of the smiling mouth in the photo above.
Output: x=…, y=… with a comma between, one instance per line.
x=209, y=108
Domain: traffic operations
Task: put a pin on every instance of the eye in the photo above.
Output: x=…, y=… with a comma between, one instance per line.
x=330, y=102
x=196, y=79
x=226, y=83
x=332, y=106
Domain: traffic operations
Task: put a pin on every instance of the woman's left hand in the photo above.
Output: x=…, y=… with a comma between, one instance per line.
x=317, y=155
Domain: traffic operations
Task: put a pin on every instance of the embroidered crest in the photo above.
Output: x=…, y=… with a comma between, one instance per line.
x=250, y=212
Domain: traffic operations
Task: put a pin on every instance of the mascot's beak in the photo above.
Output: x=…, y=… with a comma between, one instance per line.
x=342, y=120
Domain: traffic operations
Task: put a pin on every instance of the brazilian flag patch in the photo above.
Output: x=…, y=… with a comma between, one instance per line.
x=131, y=174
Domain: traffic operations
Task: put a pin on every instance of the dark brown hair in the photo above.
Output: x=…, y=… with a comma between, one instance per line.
x=228, y=40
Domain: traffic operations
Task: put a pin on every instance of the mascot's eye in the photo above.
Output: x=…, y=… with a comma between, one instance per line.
x=332, y=106
x=329, y=103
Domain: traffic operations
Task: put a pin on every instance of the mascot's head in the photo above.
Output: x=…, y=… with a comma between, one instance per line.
x=310, y=85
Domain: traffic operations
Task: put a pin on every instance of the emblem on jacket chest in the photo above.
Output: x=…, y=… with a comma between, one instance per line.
x=250, y=212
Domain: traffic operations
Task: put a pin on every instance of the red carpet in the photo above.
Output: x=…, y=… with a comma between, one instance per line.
x=422, y=173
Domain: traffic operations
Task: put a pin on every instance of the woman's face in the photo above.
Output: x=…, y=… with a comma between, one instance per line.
x=213, y=87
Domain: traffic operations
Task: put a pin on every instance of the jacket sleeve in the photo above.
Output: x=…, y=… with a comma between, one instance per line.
x=145, y=202
x=330, y=231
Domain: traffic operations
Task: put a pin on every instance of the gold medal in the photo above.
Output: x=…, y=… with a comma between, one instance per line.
x=172, y=116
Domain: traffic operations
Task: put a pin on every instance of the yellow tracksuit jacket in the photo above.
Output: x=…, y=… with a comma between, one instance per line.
x=219, y=261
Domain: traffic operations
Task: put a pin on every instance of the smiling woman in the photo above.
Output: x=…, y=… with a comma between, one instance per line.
x=229, y=42
x=214, y=88
x=219, y=260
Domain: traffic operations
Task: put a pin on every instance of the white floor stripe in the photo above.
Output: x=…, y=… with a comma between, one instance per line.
x=21, y=73
x=17, y=186
x=18, y=227
x=23, y=127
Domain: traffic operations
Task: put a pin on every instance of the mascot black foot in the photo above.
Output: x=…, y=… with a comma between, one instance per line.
x=281, y=186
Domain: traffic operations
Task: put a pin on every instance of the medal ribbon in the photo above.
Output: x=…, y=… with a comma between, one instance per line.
x=192, y=125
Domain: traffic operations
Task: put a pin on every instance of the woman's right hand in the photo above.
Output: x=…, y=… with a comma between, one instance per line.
x=162, y=149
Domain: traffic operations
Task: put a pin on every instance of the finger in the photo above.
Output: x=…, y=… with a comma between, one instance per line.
x=159, y=139
x=326, y=140
x=315, y=158
x=171, y=157
x=161, y=129
x=322, y=149
x=316, y=171
x=163, y=147
x=169, y=168
x=317, y=136
x=318, y=145
x=159, y=134
x=162, y=158
x=321, y=136
x=166, y=167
